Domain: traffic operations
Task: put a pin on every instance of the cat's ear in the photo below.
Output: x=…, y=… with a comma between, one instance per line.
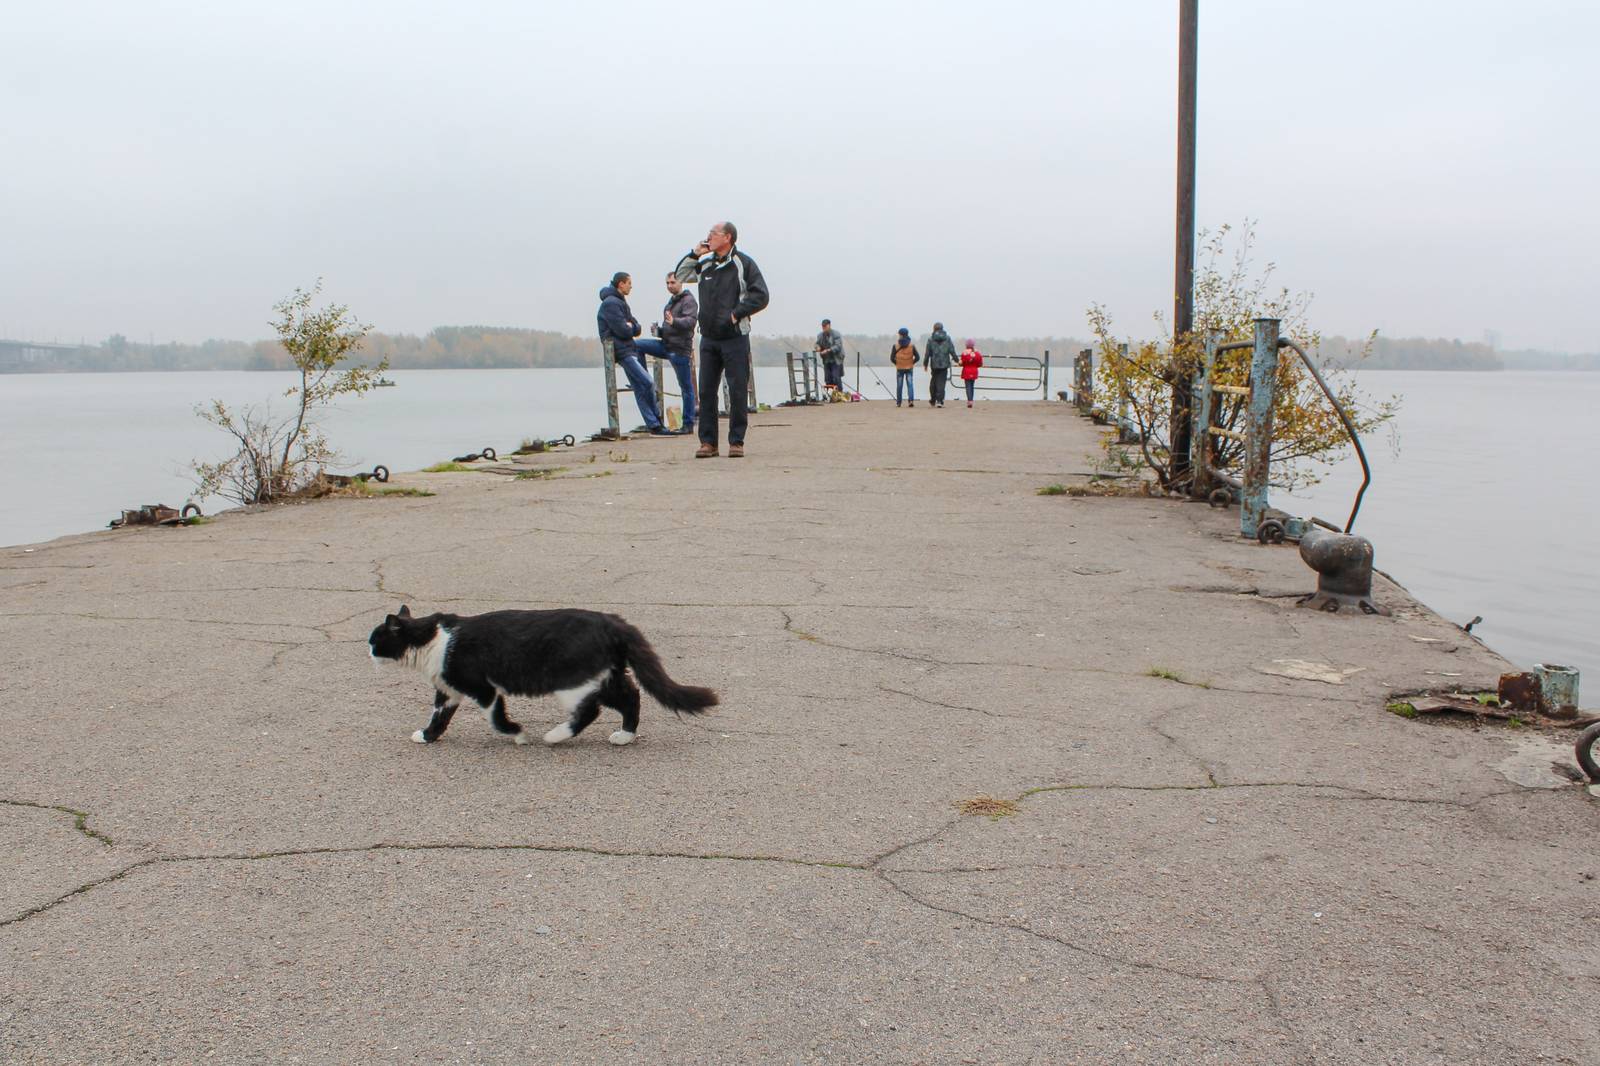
x=405, y=612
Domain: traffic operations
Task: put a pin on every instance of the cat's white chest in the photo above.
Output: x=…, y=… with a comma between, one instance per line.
x=430, y=659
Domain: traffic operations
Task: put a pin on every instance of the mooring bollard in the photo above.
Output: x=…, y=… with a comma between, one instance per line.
x=1343, y=562
x=1558, y=689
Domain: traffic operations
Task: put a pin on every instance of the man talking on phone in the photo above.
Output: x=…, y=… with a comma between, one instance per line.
x=731, y=290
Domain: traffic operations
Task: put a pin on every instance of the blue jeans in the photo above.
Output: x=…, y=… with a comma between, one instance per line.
x=644, y=389
x=970, y=383
x=903, y=377
x=681, y=366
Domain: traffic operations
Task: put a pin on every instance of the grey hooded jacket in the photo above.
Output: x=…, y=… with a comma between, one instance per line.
x=940, y=352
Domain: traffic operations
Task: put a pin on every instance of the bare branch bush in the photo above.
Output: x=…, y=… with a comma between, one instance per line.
x=277, y=457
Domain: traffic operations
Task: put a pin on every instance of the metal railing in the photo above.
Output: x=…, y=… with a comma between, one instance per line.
x=1013, y=373
x=1016, y=373
x=608, y=362
x=1251, y=486
x=805, y=377
x=1081, y=396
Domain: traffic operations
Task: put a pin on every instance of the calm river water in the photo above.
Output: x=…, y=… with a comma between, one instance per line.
x=1490, y=507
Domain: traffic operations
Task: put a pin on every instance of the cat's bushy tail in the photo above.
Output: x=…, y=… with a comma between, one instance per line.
x=687, y=699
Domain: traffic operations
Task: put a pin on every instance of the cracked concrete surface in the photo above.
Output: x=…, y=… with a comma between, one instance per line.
x=220, y=841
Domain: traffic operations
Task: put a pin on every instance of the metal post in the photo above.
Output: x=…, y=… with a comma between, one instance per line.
x=661, y=390
x=1258, y=426
x=608, y=364
x=1087, y=393
x=1047, y=373
x=1183, y=274
x=858, y=372
x=788, y=358
x=1124, y=434
x=1202, y=451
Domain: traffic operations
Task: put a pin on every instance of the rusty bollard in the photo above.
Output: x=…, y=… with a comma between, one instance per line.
x=1558, y=689
x=1343, y=563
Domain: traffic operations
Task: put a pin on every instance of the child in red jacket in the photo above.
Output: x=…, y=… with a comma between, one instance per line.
x=971, y=360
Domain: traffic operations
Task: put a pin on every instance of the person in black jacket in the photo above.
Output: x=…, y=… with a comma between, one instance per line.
x=731, y=290
x=618, y=328
x=676, y=330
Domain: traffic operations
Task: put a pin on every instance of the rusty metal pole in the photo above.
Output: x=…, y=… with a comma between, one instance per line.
x=608, y=362
x=1202, y=451
x=1183, y=274
x=1258, y=427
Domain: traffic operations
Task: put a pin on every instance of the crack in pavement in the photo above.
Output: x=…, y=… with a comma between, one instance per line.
x=1154, y=725
x=1061, y=941
x=80, y=818
x=288, y=853
x=164, y=620
x=961, y=707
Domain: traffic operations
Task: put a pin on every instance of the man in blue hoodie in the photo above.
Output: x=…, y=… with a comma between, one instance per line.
x=618, y=328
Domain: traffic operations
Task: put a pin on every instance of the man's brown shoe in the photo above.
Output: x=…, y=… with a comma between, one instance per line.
x=705, y=451
x=736, y=451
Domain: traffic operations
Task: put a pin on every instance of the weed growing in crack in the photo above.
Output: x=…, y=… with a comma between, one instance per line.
x=450, y=467
x=540, y=473
x=367, y=489
x=1173, y=675
x=989, y=807
x=1051, y=490
x=1401, y=708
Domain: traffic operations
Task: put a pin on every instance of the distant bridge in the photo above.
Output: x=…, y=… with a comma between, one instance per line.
x=24, y=355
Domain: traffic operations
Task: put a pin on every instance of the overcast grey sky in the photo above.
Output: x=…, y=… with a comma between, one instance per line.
x=170, y=170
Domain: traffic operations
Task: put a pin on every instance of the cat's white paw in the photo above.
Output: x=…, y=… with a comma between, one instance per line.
x=418, y=737
x=520, y=738
x=558, y=734
x=621, y=737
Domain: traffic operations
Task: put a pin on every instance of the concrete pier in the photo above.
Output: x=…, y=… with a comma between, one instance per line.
x=997, y=778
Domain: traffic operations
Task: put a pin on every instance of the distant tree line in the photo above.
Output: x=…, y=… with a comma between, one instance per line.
x=1422, y=353
x=503, y=347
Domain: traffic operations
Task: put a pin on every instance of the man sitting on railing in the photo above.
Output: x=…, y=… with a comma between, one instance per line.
x=618, y=328
x=676, y=330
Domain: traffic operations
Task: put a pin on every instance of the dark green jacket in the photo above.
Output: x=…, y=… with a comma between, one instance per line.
x=940, y=352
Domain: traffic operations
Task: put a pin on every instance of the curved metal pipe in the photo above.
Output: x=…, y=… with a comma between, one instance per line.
x=1349, y=427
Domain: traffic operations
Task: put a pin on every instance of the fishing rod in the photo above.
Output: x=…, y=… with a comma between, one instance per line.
x=879, y=380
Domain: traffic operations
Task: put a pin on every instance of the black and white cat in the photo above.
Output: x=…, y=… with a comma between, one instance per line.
x=580, y=656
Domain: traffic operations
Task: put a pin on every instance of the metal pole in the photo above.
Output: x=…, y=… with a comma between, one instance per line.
x=608, y=364
x=1183, y=274
x=661, y=390
x=1124, y=434
x=1047, y=374
x=858, y=371
x=1258, y=426
x=1202, y=451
